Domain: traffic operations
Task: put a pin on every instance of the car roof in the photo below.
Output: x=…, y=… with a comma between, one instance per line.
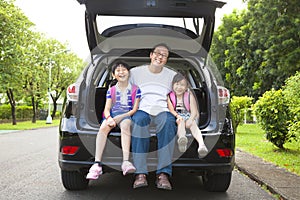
x=149, y=8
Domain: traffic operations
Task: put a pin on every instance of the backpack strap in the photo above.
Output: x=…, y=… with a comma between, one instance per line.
x=133, y=93
x=186, y=100
x=113, y=94
x=173, y=98
x=113, y=97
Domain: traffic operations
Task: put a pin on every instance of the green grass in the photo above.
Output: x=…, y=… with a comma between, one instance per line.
x=251, y=138
x=28, y=125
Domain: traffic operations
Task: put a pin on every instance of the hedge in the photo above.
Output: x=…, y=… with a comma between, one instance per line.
x=22, y=112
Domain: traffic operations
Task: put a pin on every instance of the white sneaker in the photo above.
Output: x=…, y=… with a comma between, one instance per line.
x=202, y=151
x=182, y=143
x=127, y=167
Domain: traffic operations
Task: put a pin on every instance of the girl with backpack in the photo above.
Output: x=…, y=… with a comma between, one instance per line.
x=122, y=102
x=183, y=105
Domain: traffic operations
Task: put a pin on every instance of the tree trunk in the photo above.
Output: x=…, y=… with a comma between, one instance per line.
x=33, y=110
x=54, y=109
x=54, y=100
x=12, y=103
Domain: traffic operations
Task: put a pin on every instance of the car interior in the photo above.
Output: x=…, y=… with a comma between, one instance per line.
x=183, y=66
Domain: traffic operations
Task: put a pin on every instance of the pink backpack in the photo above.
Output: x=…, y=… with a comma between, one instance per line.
x=113, y=93
x=186, y=100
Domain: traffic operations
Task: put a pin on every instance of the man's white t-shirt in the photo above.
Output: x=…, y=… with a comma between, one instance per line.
x=154, y=87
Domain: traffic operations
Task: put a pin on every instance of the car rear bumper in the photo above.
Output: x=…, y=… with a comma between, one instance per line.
x=193, y=167
x=112, y=159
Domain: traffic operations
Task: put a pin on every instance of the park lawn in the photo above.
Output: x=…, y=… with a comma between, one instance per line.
x=251, y=138
x=26, y=125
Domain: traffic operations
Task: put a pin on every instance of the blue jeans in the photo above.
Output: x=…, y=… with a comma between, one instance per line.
x=166, y=131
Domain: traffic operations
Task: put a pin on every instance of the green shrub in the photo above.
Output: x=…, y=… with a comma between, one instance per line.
x=22, y=112
x=273, y=115
x=238, y=107
x=5, y=112
x=292, y=96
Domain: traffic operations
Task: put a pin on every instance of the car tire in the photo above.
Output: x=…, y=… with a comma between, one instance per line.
x=216, y=182
x=74, y=180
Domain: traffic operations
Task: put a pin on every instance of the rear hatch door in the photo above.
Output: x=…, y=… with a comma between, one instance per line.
x=195, y=9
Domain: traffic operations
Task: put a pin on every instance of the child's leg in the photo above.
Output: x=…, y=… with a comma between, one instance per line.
x=127, y=167
x=101, y=141
x=125, y=138
x=181, y=128
x=182, y=139
x=96, y=169
x=196, y=132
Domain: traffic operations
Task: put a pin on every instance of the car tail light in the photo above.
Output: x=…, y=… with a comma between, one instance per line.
x=225, y=152
x=72, y=92
x=69, y=150
x=223, y=95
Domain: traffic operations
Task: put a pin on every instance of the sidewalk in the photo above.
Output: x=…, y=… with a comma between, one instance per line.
x=277, y=180
x=7, y=131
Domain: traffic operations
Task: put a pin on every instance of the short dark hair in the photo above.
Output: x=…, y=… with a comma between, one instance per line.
x=161, y=45
x=117, y=63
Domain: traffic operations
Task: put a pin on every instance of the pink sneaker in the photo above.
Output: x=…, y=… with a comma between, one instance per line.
x=127, y=167
x=94, y=172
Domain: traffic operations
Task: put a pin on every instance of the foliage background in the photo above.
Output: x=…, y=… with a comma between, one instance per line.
x=257, y=49
x=27, y=60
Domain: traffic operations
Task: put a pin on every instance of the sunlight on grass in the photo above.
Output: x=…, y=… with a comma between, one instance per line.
x=28, y=125
x=251, y=138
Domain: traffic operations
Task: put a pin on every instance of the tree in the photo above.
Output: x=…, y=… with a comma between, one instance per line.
x=34, y=81
x=25, y=60
x=230, y=50
x=14, y=37
x=65, y=69
x=275, y=27
x=258, y=48
x=49, y=56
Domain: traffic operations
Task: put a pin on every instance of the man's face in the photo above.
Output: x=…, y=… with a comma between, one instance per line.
x=159, y=56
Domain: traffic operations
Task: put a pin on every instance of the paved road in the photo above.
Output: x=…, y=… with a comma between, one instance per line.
x=29, y=170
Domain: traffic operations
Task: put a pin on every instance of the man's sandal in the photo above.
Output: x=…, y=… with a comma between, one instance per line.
x=140, y=181
x=162, y=182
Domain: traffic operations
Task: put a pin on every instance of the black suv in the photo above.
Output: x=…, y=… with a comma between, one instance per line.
x=132, y=42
